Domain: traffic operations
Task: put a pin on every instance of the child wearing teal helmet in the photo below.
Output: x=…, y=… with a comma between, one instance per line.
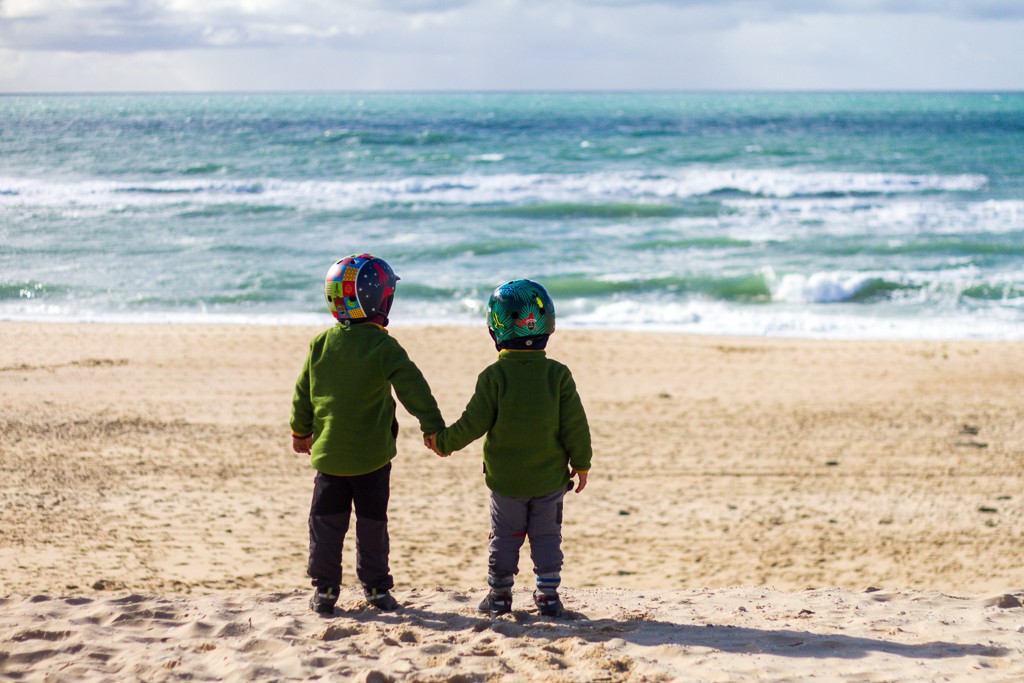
x=343, y=416
x=537, y=440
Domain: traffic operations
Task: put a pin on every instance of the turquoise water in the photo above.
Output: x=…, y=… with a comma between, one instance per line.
x=819, y=215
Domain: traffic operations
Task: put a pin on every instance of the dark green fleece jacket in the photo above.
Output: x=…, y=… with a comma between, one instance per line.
x=536, y=427
x=343, y=398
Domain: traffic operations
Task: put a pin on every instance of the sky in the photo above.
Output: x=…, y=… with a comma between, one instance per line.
x=366, y=45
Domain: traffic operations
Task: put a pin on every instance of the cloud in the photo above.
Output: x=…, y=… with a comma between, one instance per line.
x=129, y=26
x=422, y=5
x=60, y=45
x=775, y=10
x=134, y=26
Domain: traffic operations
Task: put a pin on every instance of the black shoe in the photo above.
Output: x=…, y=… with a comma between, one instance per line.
x=549, y=605
x=382, y=600
x=497, y=603
x=324, y=599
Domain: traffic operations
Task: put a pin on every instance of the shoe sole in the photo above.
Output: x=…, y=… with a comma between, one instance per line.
x=496, y=612
x=556, y=610
x=383, y=608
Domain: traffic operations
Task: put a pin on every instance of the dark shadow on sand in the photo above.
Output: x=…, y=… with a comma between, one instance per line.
x=650, y=632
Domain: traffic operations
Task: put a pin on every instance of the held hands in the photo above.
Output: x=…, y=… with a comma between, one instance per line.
x=430, y=441
x=582, y=478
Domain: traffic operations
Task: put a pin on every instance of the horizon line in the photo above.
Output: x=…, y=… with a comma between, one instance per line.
x=538, y=91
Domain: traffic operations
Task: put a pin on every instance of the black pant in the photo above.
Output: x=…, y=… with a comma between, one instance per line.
x=329, y=517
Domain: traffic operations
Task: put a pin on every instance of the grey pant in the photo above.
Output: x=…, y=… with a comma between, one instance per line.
x=512, y=521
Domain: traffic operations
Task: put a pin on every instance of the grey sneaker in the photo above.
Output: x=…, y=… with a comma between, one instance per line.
x=497, y=602
x=382, y=600
x=323, y=600
x=549, y=605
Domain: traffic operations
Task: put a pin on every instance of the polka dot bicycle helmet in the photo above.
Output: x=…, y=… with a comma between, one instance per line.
x=360, y=288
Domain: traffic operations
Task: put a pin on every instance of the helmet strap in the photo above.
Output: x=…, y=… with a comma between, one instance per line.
x=531, y=343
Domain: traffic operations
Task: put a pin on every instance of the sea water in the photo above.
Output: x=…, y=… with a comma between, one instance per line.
x=847, y=215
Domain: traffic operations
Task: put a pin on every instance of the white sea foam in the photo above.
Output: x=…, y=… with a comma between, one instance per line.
x=197, y=315
x=774, y=219
x=819, y=287
x=480, y=189
x=695, y=316
x=718, y=318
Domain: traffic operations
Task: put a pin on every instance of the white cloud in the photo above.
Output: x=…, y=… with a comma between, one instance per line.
x=781, y=9
x=134, y=26
x=509, y=44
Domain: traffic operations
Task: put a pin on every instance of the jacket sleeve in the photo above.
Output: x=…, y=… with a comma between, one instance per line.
x=573, y=429
x=479, y=416
x=411, y=388
x=302, y=402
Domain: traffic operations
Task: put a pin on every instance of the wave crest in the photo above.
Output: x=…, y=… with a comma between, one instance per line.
x=621, y=193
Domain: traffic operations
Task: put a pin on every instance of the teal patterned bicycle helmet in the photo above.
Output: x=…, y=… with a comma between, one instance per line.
x=520, y=314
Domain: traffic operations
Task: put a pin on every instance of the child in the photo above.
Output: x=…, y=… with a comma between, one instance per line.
x=343, y=415
x=537, y=439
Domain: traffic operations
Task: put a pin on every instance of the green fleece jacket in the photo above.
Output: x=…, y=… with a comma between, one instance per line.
x=536, y=427
x=343, y=398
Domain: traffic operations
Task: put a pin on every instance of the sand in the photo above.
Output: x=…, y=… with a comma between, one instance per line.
x=759, y=509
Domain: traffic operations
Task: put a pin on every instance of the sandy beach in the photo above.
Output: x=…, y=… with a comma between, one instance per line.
x=758, y=509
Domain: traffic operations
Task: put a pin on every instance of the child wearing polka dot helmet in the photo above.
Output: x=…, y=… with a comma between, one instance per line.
x=343, y=417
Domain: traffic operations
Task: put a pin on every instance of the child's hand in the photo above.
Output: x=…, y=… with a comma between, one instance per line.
x=583, y=478
x=302, y=444
x=430, y=441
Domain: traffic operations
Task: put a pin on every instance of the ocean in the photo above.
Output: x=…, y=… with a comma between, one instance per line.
x=823, y=215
